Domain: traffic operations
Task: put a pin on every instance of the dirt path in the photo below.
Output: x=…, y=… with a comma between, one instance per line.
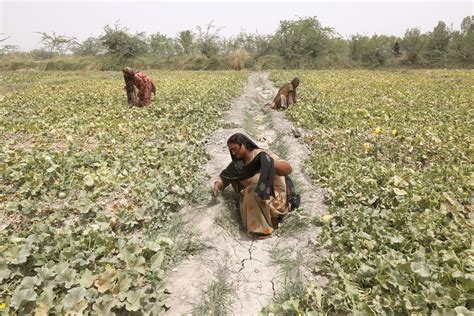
x=248, y=265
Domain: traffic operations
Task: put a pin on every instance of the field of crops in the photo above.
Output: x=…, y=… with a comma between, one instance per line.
x=395, y=151
x=89, y=188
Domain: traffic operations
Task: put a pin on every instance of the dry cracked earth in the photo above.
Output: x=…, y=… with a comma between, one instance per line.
x=249, y=267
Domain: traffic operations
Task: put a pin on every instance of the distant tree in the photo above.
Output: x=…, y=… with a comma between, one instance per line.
x=6, y=49
x=54, y=43
x=263, y=45
x=338, y=52
x=4, y=38
x=162, y=45
x=461, y=45
x=440, y=37
x=92, y=46
x=186, y=41
x=121, y=45
x=436, y=46
x=467, y=24
x=243, y=40
x=208, y=40
x=303, y=39
x=371, y=51
x=412, y=45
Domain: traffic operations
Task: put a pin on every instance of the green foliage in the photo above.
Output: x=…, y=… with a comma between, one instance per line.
x=436, y=46
x=121, y=45
x=374, y=51
x=90, y=188
x=413, y=43
x=207, y=40
x=393, y=151
x=92, y=46
x=302, y=40
x=269, y=62
x=186, y=40
x=303, y=43
x=162, y=45
x=217, y=297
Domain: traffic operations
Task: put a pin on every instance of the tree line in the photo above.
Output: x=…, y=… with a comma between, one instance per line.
x=301, y=43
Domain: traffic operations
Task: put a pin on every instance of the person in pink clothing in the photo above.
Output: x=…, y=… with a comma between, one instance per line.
x=135, y=79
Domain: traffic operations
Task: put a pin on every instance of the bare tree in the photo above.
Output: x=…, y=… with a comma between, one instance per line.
x=6, y=49
x=3, y=39
x=57, y=43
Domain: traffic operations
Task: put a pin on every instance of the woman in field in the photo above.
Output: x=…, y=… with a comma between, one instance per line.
x=261, y=179
x=286, y=96
x=137, y=79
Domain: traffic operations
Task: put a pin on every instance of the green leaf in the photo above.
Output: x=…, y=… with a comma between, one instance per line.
x=463, y=311
x=47, y=272
x=65, y=274
x=468, y=281
x=4, y=272
x=18, y=254
x=30, y=282
x=45, y=302
x=106, y=281
x=396, y=239
x=157, y=260
x=123, y=284
x=133, y=300
x=400, y=192
x=87, y=279
x=74, y=301
x=421, y=269
x=104, y=305
x=136, y=263
x=20, y=296
x=89, y=180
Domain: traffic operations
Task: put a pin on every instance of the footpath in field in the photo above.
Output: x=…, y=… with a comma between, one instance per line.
x=249, y=268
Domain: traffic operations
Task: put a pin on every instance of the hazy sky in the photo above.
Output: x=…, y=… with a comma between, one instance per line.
x=81, y=19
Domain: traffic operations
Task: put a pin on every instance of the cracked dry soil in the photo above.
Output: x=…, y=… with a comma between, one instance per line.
x=254, y=277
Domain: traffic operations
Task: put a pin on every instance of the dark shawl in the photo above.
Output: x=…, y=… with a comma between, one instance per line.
x=263, y=163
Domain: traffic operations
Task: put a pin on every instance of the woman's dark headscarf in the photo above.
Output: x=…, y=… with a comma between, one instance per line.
x=129, y=72
x=241, y=139
x=263, y=163
x=295, y=82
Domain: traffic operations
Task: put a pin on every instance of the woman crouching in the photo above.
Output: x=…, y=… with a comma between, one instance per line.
x=261, y=179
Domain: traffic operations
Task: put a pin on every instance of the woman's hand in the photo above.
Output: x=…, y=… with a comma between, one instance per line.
x=218, y=185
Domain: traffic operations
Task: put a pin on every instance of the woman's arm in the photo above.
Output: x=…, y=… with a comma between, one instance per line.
x=219, y=185
x=282, y=167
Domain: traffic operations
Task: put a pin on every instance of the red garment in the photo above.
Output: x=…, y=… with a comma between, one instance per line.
x=145, y=88
x=144, y=85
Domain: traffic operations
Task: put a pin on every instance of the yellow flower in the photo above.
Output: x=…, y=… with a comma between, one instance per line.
x=327, y=218
x=368, y=147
